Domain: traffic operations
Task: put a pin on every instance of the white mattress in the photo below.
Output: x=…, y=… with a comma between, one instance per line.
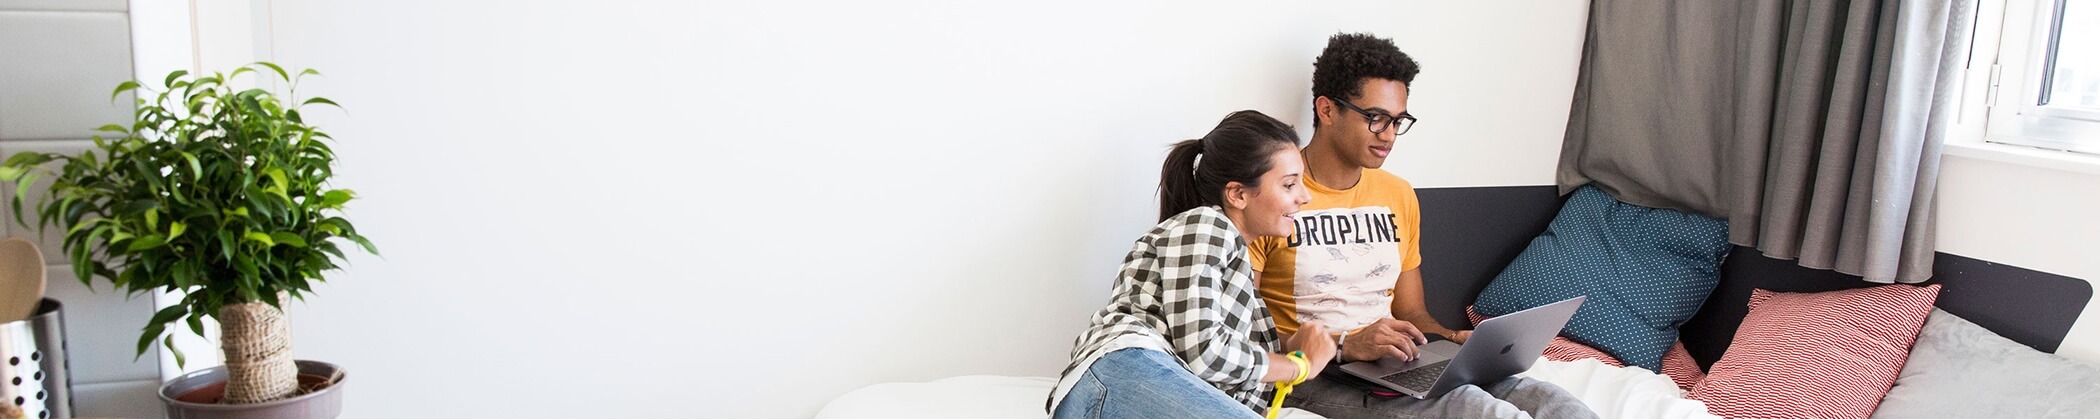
x=970, y=396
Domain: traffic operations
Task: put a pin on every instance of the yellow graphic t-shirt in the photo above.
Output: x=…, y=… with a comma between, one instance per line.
x=1340, y=266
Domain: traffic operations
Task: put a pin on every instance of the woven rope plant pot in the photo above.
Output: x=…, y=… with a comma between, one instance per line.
x=215, y=192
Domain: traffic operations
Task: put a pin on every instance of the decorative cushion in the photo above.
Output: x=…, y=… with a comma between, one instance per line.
x=1645, y=270
x=1682, y=368
x=1678, y=363
x=1821, y=355
x=1961, y=370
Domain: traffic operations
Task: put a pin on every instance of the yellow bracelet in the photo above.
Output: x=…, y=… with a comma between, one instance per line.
x=1304, y=366
x=1284, y=388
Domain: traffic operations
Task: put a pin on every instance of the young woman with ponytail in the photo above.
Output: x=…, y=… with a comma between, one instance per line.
x=1185, y=333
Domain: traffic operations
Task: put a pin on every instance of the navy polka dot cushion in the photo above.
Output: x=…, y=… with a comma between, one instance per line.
x=1645, y=270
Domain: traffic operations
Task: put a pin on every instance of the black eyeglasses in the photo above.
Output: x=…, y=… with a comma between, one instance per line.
x=1380, y=122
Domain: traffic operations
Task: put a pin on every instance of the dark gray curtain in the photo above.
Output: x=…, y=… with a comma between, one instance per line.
x=1814, y=127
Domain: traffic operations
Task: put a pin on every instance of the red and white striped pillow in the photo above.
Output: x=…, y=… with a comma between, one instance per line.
x=1677, y=363
x=1817, y=355
x=1682, y=369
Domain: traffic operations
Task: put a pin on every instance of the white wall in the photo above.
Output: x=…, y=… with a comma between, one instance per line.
x=743, y=210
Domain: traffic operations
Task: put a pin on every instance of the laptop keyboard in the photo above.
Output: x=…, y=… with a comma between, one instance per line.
x=1418, y=379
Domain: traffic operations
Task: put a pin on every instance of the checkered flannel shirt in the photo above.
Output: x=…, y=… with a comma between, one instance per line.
x=1186, y=287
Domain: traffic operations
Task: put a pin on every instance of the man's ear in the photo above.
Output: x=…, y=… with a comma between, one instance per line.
x=1236, y=195
x=1324, y=108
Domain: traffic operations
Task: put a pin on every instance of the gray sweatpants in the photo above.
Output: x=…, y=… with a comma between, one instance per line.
x=1514, y=397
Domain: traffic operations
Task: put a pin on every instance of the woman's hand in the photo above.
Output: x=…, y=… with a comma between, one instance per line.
x=1312, y=338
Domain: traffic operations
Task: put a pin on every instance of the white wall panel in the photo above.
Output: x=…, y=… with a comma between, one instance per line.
x=66, y=5
x=58, y=62
x=57, y=70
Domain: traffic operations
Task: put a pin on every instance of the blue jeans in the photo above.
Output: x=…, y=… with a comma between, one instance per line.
x=1145, y=383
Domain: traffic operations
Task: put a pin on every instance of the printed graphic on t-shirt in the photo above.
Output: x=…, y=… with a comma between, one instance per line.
x=1347, y=261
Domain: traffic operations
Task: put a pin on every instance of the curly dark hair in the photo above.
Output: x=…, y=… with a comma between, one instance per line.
x=1351, y=57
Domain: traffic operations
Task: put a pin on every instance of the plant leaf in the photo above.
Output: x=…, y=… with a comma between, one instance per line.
x=196, y=325
x=226, y=243
x=257, y=236
x=287, y=238
x=146, y=242
x=28, y=158
x=335, y=198
x=129, y=86
x=366, y=244
x=196, y=169
x=277, y=183
x=249, y=276
x=169, y=314
x=135, y=206
x=273, y=67
x=169, y=342
x=329, y=248
x=146, y=339
x=169, y=82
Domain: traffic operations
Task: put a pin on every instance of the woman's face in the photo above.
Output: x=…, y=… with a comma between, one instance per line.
x=1268, y=208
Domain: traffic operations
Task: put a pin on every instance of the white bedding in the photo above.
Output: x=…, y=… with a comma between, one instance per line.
x=1613, y=392
x=1619, y=392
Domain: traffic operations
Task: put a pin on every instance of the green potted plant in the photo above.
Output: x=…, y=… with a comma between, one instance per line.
x=219, y=193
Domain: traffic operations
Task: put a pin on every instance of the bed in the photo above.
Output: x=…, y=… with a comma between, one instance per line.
x=1470, y=234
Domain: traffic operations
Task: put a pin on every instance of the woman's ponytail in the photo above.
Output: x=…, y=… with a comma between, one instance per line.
x=1177, y=180
x=1238, y=150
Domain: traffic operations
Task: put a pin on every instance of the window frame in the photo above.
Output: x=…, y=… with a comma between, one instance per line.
x=2014, y=79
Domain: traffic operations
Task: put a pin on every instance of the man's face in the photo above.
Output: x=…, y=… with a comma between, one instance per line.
x=1354, y=140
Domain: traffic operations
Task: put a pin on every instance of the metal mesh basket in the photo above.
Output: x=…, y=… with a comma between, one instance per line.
x=33, y=364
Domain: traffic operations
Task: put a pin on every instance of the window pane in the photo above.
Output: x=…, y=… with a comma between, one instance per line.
x=2075, y=82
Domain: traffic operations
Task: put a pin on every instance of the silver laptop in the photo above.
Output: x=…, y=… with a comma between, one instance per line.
x=1500, y=347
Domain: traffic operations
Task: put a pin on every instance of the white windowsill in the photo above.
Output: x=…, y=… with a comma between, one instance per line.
x=2025, y=156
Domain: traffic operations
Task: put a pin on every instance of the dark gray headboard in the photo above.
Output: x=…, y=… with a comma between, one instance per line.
x=1469, y=234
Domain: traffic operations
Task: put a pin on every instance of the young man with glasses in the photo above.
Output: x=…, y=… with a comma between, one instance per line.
x=1351, y=266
